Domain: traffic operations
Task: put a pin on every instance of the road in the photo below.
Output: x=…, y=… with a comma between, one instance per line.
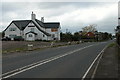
x=61, y=62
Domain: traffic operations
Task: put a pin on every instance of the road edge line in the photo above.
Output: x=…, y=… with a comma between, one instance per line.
x=93, y=62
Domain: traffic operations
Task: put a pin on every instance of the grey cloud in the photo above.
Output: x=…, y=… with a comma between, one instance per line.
x=55, y=5
x=52, y=9
x=16, y=6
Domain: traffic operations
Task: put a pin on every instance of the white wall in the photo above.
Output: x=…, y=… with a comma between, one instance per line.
x=30, y=38
x=8, y=32
x=40, y=34
x=57, y=34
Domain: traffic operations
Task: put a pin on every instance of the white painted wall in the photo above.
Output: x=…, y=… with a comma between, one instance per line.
x=57, y=34
x=49, y=38
x=40, y=34
x=8, y=32
x=30, y=38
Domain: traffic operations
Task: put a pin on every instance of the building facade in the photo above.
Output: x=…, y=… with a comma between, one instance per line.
x=33, y=29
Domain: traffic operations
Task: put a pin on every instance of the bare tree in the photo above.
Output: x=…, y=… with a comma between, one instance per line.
x=90, y=28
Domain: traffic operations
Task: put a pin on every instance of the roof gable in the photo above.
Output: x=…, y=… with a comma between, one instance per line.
x=7, y=27
x=90, y=34
x=40, y=29
x=21, y=24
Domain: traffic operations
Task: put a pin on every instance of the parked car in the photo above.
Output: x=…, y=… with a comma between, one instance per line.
x=6, y=39
x=18, y=38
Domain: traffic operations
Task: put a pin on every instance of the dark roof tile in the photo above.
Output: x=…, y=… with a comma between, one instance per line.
x=41, y=30
x=39, y=22
x=52, y=25
x=31, y=32
x=21, y=24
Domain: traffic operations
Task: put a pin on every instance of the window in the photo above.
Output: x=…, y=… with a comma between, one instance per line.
x=30, y=35
x=12, y=29
x=53, y=35
x=43, y=35
x=32, y=29
x=12, y=35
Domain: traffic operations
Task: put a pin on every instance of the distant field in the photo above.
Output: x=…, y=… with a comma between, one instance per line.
x=8, y=46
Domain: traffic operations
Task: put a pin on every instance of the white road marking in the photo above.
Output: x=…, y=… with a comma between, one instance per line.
x=96, y=66
x=28, y=67
x=93, y=63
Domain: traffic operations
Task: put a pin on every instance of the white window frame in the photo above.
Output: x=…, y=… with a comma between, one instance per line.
x=12, y=35
x=12, y=29
x=30, y=35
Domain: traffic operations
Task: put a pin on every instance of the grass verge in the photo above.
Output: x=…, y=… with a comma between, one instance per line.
x=111, y=45
x=32, y=49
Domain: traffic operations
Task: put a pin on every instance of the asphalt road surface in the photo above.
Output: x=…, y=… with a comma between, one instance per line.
x=70, y=61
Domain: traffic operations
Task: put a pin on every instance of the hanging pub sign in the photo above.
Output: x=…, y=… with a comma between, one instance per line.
x=54, y=30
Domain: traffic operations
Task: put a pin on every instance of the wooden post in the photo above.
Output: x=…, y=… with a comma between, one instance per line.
x=30, y=47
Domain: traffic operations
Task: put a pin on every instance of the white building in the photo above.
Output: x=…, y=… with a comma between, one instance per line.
x=33, y=29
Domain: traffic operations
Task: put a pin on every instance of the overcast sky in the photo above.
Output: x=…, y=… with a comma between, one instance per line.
x=71, y=15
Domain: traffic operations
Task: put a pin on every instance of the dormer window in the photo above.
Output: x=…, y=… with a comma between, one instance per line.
x=12, y=29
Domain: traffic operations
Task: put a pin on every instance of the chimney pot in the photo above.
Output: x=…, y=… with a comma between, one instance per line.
x=42, y=19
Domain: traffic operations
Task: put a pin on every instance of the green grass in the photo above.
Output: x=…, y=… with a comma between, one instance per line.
x=32, y=49
x=111, y=45
x=117, y=49
x=14, y=50
x=26, y=48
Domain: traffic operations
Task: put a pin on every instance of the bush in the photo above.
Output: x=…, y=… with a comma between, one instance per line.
x=6, y=39
x=38, y=40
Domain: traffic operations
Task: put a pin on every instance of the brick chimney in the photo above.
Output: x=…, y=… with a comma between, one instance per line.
x=33, y=16
x=42, y=19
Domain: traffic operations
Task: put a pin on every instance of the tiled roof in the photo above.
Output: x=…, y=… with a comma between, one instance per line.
x=52, y=25
x=39, y=22
x=21, y=24
x=41, y=30
x=48, y=24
